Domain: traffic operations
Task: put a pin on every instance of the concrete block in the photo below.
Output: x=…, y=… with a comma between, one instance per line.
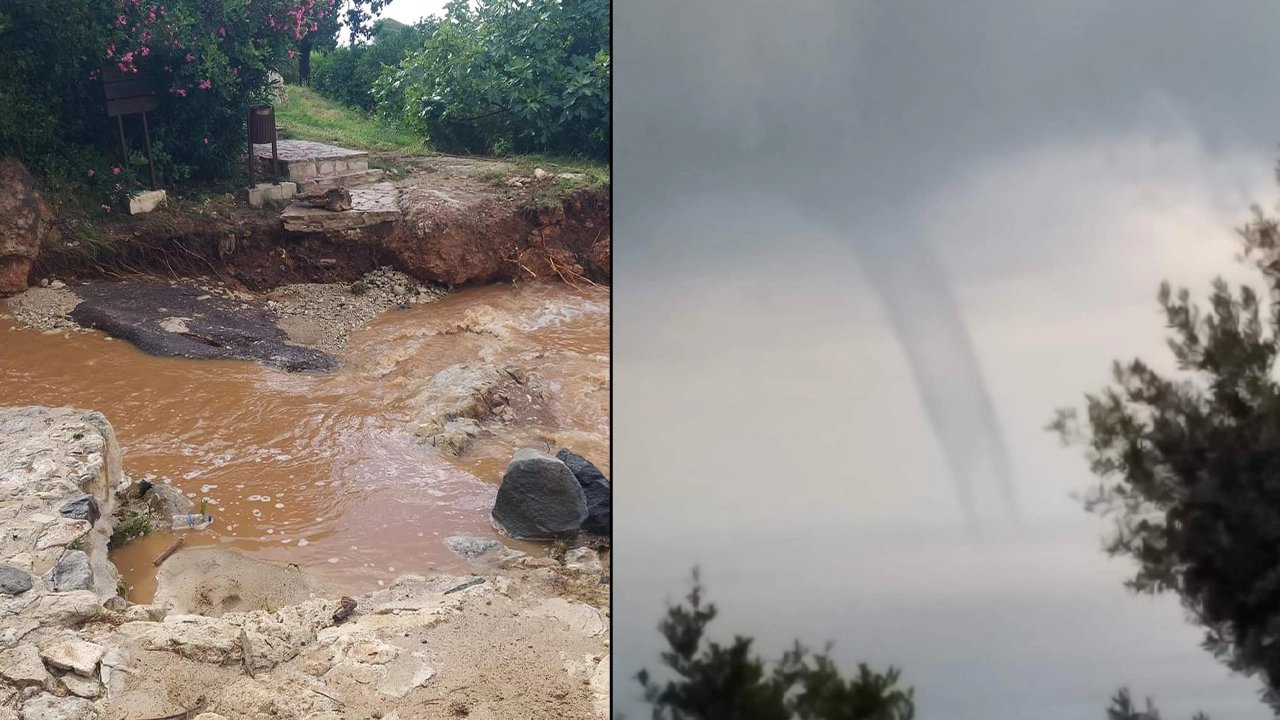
x=298, y=170
x=146, y=201
x=266, y=192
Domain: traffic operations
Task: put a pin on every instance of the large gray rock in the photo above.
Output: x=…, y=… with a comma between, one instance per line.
x=453, y=401
x=26, y=222
x=72, y=572
x=539, y=498
x=596, y=488
x=14, y=581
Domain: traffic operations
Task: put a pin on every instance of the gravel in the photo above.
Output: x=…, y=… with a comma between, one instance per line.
x=319, y=315
x=45, y=308
x=323, y=315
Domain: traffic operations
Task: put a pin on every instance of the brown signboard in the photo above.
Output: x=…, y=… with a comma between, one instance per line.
x=130, y=94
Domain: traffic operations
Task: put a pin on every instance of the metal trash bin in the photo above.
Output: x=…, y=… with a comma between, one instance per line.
x=262, y=129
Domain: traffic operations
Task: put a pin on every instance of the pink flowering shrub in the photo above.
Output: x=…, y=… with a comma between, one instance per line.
x=209, y=60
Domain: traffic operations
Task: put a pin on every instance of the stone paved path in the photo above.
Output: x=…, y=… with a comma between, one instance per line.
x=370, y=205
x=294, y=150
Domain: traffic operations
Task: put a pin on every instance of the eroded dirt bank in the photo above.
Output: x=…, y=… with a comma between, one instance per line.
x=502, y=642
x=463, y=221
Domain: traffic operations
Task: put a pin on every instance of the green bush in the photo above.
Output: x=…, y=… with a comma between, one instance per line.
x=210, y=61
x=347, y=74
x=497, y=76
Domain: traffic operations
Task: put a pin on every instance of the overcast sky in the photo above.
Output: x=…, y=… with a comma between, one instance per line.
x=411, y=11
x=863, y=251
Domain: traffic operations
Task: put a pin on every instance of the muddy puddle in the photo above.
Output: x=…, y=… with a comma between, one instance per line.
x=324, y=470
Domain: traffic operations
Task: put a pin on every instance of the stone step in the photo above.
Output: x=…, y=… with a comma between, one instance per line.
x=348, y=178
x=302, y=159
x=370, y=205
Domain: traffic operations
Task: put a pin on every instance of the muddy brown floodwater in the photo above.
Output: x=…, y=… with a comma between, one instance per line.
x=324, y=470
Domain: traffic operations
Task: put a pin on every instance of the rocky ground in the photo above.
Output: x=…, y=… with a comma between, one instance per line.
x=46, y=307
x=323, y=315
x=295, y=327
x=523, y=637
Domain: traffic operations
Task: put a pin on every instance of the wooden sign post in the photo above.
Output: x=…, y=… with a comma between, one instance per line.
x=130, y=94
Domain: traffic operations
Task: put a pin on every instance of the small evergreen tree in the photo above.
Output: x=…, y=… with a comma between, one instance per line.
x=730, y=682
x=1122, y=708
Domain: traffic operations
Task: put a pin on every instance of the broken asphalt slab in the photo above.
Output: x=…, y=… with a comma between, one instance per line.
x=186, y=320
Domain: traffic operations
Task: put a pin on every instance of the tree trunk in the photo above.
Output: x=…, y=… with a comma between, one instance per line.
x=304, y=62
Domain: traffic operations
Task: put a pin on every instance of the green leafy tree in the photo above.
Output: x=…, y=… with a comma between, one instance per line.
x=347, y=74
x=1189, y=463
x=357, y=16
x=713, y=681
x=508, y=76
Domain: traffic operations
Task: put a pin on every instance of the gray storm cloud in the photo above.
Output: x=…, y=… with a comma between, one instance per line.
x=857, y=113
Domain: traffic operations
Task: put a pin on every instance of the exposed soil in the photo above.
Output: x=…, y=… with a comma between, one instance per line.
x=464, y=221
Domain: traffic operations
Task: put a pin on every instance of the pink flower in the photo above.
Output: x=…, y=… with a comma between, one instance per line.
x=123, y=67
x=111, y=50
x=115, y=171
x=126, y=57
x=222, y=32
x=205, y=84
x=146, y=36
x=291, y=54
x=315, y=26
x=121, y=21
x=146, y=51
x=190, y=57
x=91, y=173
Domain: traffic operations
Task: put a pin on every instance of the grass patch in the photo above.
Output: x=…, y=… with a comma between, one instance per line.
x=597, y=174
x=571, y=175
x=307, y=115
